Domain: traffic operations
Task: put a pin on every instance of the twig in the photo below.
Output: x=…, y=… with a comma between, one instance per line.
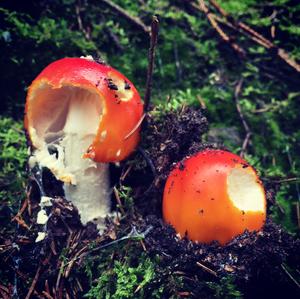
x=80, y=24
x=288, y=180
x=135, y=20
x=298, y=213
x=211, y=17
x=214, y=273
x=85, y=32
x=116, y=192
x=5, y=292
x=290, y=276
x=69, y=265
x=124, y=175
x=239, y=24
x=241, y=115
x=257, y=37
x=36, y=277
x=61, y=270
x=135, y=127
x=133, y=235
x=20, y=222
x=47, y=295
x=21, y=211
x=151, y=55
x=18, y=217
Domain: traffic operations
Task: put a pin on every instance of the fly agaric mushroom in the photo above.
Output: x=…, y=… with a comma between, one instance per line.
x=78, y=116
x=214, y=195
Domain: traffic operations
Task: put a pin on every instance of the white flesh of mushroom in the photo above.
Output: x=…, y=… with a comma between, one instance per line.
x=244, y=190
x=66, y=120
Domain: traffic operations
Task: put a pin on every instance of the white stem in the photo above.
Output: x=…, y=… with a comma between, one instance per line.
x=90, y=193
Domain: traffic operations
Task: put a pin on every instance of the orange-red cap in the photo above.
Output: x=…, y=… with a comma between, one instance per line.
x=121, y=104
x=214, y=195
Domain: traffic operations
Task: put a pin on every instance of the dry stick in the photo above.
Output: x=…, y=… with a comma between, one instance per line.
x=151, y=55
x=57, y=285
x=133, y=234
x=135, y=20
x=116, y=192
x=36, y=277
x=47, y=295
x=257, y=37
x=123, y=176
x=80, y=24
x=242, y=25
x=290, y=276
x=214, y=273
x=298, y=213
x=241, y=115
x=85, y=32
x=135, y=127
x=287, y=180
x=202, y=7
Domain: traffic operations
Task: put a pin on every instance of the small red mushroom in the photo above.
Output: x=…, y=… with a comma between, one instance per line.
x=78, y=116
x=214, y=196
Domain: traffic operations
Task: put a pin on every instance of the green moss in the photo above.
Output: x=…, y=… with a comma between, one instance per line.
x=13, y=156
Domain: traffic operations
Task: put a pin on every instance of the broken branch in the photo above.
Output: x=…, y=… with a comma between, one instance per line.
x=214, y=273
x=255, y=36
x=135, y=20
x=211, y=17
x=151, y=55
x=36, y=277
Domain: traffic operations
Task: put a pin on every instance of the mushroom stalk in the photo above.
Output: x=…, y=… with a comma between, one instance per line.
x=90, y=191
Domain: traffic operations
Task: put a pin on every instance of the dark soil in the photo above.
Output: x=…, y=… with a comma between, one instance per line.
x=259, y=265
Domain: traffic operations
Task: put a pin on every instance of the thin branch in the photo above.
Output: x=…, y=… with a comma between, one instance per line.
x=151, y=55
x=214, y=273
x=237, y=92
x=256, y=37
x=135, y=127
x=290, y=276
x=287, y=180
x=298, y=213
x=36, y=277
x=240, y=24
x=86, y=33
x=135, y=20
x=211, y=17
x=132, y=235
x=80, y=24
x=116, y=192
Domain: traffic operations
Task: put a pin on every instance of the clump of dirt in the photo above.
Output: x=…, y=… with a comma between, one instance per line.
x=166, y=140
x=258, y=262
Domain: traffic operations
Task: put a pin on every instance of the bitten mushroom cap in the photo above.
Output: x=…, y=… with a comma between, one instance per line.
x=214, y=195
x=79, y=116
x=119, y=104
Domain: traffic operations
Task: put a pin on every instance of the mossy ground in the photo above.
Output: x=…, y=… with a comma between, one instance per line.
x=139, y=256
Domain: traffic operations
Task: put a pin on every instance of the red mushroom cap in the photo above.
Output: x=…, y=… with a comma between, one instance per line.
x=214, y=195
x=121, y=105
